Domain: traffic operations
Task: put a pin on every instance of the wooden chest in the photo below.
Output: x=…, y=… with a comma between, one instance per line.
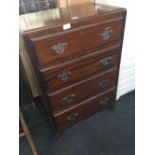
x=75, y=53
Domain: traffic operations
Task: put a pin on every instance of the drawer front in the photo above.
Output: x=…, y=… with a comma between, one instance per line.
x=74, y=43
x=87, y=88
x=68, y=74
x=84, y=110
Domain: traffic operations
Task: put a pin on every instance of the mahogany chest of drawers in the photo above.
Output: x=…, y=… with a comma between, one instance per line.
x=75, y=53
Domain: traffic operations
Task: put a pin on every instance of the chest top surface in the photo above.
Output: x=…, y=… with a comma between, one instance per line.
x=60, y=16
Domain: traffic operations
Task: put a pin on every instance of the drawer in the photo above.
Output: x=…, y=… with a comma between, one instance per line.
x=85, y=109
x=65, y=75
x=83, y=90
x=66, y=45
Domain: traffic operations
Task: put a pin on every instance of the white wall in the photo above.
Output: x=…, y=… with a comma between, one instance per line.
x=126, y=81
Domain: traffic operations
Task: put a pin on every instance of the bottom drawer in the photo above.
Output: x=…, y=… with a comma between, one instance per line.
x=84, y=109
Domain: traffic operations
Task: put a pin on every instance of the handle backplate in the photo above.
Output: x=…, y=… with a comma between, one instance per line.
x=106, y=34
x=106, y=61
x=72, y=116
x=104, y=101
x=59, y=48
x=64, y=75
x=103, y=83
x=69, y=98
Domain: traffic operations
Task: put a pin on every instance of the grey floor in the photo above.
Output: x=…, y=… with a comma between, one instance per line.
x=105, y=133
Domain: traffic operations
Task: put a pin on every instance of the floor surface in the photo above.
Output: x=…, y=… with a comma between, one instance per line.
x=105, y=133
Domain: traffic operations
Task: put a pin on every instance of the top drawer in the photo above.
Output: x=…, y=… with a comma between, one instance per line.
x=76, y=42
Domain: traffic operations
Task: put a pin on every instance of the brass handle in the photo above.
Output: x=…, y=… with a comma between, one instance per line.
x=106, y=61
x=72, y=116
x=69, y=99
x=106, y=34
x=104, y=101
x=59, y=48
x=64, y=75
x=103, y=83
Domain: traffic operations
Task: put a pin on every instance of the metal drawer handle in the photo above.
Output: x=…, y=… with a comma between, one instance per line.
x=104, y=101
x=64, y=75
x=103, y=83
x=106, y=34
x=69, y=99
x=106, y=61
x=59, y=48
x=72, y=116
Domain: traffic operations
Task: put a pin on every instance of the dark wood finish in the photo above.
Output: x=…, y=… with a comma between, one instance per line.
x=80, y=69
x=84, y=109
x=89, y=87
x=78, y=77
x=90, y=34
